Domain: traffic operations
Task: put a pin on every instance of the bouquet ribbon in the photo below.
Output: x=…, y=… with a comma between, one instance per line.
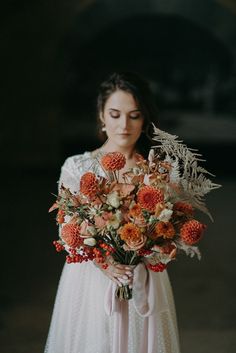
x=145, y=298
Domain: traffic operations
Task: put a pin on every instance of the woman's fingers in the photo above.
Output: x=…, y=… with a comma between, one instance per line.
x=124, y=279
x=123, y=269
x=120, y=281
x=120, y=274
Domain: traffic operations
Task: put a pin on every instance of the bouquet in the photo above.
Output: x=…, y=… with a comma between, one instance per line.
x=149, y=216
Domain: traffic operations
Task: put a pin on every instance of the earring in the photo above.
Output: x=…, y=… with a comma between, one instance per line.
x=103, y=127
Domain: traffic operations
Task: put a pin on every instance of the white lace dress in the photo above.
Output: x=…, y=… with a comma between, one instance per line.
x=80, y=323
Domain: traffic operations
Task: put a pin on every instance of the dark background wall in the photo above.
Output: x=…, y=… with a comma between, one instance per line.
x=53, y=56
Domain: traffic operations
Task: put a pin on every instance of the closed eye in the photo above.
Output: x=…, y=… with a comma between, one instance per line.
x=114, y=115
x=134, y=116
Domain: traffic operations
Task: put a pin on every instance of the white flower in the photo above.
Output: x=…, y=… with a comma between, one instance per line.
x=115, y=220
x=119, y=215
x=113, y=199
x=165, y=215
x=114, y=223
x=90, y=241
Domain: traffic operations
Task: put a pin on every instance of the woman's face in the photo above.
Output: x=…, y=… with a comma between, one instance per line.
x=123, y=119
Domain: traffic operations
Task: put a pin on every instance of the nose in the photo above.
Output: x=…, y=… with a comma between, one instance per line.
x=124, y=122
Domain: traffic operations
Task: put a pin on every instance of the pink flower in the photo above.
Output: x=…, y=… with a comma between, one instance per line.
x=101, y=221
x=87, y=230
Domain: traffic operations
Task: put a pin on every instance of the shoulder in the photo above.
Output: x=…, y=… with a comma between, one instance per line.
x=77, y=163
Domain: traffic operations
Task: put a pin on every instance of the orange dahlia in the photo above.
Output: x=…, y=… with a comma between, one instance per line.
x=132, y=236
x=165, y=229
x=70, y=234
x=183, y=207
x=88, y=184
x=148, y=197
x=191, y=231
x=113, y=161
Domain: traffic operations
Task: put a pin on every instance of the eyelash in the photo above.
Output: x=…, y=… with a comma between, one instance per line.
x=132, y=117
x=135, y=117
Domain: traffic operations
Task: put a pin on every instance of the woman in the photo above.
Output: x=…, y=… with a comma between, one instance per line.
x=86, y=317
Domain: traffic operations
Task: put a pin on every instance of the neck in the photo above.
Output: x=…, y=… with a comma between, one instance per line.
x=128, y=152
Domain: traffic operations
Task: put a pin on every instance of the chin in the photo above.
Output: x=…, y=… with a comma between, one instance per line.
x=127, y=144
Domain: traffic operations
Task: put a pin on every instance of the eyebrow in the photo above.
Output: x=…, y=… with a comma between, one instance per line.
x=117, y=110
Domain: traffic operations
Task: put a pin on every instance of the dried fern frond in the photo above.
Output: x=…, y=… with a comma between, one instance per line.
x=186, y=171
x=189, y=250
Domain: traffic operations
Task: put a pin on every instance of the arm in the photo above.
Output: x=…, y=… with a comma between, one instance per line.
x=68, y=177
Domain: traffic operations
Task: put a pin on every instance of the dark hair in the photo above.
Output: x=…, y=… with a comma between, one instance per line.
x=136, y=85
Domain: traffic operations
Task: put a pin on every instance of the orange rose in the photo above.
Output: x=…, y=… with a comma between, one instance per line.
x=132, y=236
x=136, y=244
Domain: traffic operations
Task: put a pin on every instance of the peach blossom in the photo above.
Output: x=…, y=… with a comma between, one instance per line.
x=101, y=221
x=86, y=230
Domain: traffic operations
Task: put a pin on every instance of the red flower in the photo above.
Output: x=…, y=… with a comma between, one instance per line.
x=88, y=184
x=159, y=267
x=70, y=234
x=191, y=232
x=148, y=197
x=113, y=161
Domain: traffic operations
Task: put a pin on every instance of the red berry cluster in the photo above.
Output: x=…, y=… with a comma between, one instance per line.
x=104, y=266
x=98, y=255
x=60, y=216
x=159, y=267
x=74, y=257
x=144, y=252
x=108, y=250
x=88, y=253
x=59, y=247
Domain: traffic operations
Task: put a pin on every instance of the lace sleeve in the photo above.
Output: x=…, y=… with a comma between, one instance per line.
x=70, y=179
x=68, y=176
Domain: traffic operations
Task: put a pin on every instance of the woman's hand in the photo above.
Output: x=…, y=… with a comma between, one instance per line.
x=118, y=273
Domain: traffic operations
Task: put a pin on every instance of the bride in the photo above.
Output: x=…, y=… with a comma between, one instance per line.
x=86, y=317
